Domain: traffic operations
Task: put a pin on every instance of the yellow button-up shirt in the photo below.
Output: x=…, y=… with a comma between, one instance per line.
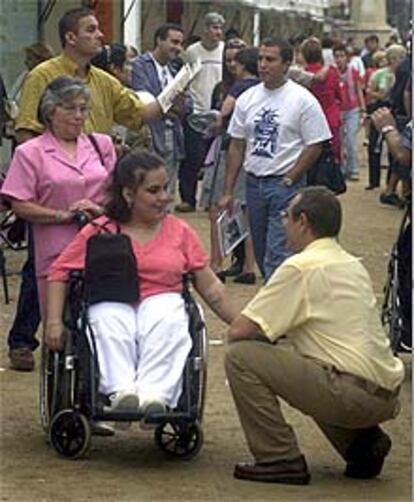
x=322, y=299
x=111, y=102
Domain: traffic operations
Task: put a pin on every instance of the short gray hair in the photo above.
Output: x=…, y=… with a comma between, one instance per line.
x=213, y=18
x=59, y=91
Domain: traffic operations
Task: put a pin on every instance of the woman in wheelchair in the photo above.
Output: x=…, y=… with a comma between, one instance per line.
x=142, y=346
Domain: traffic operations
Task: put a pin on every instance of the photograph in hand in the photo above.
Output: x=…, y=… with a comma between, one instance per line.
x=232, y=228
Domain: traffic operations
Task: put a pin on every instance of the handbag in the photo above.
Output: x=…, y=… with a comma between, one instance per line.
x=111, y=271
x=326, y=172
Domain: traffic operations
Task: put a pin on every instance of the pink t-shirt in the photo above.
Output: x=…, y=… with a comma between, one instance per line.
x=174, y=251
x=42, y=173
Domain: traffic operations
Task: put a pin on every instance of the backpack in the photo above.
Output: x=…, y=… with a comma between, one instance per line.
x=111, y=271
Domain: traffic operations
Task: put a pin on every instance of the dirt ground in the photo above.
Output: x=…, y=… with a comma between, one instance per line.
x=128, y=467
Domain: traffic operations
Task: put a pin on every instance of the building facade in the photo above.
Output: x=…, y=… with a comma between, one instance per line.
x=23, y=22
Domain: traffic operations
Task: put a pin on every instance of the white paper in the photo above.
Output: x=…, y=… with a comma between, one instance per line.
x=231, y=228
x=186, y=74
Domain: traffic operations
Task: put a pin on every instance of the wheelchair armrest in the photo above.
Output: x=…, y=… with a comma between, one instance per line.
x=76, y=274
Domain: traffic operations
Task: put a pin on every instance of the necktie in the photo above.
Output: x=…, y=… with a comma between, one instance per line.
x=164, y=76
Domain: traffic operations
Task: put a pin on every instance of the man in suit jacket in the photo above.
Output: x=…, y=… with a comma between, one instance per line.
x=151, y=72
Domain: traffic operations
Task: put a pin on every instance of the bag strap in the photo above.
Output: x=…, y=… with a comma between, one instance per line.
x=92, y=139
x=104, y=226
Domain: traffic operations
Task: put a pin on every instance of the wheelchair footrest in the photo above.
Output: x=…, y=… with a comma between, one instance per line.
x=125, y=416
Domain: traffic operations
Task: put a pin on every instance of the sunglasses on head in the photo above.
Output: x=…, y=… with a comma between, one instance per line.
x=235, y=44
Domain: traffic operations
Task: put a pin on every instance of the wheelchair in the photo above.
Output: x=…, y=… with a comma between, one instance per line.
x=13, y=237
x=396, y=312
x=69, y=383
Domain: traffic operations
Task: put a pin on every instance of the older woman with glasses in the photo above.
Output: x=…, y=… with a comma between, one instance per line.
x=60, y=174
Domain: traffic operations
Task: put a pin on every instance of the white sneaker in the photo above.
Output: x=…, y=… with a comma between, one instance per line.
x=123, y=401
x=149, y=409
x=101, y=429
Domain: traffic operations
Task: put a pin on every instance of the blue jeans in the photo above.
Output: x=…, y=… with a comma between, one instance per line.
x=27, y=320
x=350, y=126
x=266, y=196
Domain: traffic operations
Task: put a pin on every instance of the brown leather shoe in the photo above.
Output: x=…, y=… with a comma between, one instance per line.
x=290, y=472
x=21, y=359
x=185, y=207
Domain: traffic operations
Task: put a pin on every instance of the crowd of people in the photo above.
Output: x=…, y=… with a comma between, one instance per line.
x=91, y=139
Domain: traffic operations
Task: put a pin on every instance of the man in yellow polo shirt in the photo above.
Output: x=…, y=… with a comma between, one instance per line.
x=111, y=102
x=335, y=365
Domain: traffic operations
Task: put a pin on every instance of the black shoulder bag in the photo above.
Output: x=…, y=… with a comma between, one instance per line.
x=94, y=142
x=111, y=271
x=326, y=172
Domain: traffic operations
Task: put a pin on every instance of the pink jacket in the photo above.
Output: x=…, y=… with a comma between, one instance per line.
x=41, y=172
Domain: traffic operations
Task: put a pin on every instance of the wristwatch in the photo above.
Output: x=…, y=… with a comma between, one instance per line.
x=386, y=129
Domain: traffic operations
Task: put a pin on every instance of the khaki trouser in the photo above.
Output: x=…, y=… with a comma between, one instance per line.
x=260, y=372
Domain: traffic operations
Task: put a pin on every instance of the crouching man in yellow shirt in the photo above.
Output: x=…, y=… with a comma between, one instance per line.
x=339, y=367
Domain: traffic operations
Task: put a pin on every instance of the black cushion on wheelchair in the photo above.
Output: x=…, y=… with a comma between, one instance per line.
x=111, y=272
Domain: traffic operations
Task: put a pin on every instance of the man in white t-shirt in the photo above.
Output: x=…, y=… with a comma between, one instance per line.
x=210, y=51
x=277, y=131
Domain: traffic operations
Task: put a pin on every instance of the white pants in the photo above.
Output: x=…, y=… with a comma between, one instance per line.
x=142, y=348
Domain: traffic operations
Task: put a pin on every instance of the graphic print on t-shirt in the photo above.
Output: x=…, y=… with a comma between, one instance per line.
x=265, y=133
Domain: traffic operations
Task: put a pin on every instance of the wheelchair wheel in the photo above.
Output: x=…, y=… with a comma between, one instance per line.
x=56, y=386
x=396, y=314
x=70, y=434
x=202, y=381
x=179, y=439
x=390, y=317
x=49, y=377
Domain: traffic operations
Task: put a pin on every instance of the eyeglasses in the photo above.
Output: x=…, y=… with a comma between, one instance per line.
x=294, y=213
x=73, y=109
x=235, y=43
